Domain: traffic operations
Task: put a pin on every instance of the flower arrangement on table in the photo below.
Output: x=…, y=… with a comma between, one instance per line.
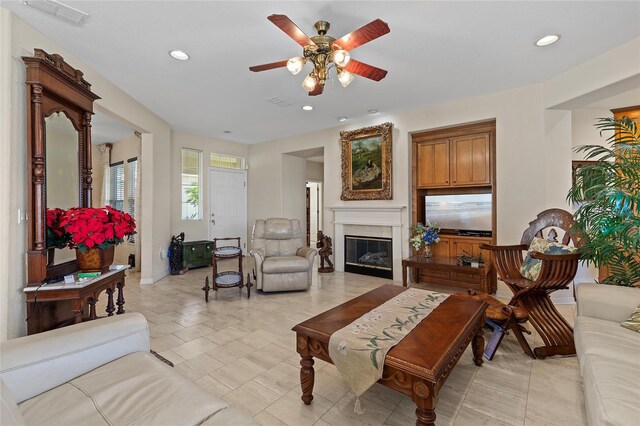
x=423, y=235
x=57, y=236
x=96, y=227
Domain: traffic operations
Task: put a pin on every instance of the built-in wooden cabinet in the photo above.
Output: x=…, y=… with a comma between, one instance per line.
x=454, y=161
x=433, y=164
x=462, y=161
x=471, y=160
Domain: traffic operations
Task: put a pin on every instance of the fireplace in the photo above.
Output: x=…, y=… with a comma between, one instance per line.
x=368, y=256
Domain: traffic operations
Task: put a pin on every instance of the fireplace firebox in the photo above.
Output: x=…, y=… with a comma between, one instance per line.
x=368, y=256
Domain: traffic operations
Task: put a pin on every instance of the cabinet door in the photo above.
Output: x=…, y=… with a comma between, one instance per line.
x=471, y=160
x=441, y=249
x=433, y=164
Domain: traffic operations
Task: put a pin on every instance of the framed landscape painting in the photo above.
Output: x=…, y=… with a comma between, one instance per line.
x=366, y=163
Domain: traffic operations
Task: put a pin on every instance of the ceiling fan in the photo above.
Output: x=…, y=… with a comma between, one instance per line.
x=323, y=50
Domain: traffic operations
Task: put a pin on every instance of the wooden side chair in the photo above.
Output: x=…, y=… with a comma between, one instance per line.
x=502, y=318
x=556, y=273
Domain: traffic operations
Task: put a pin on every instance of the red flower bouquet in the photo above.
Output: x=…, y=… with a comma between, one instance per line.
x=97, y=227
x=57, y=237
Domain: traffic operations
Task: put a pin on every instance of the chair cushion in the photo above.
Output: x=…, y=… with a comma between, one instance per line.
x=285, y=264
x=135, y=389
x=531, y=267
x=633, y=323
x=281, y=248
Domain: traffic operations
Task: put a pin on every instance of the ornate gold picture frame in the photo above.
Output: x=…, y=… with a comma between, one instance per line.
x=366, y=163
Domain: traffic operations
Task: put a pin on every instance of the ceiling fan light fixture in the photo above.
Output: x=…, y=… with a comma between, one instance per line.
x=295, y=65
x=341, y=57
x=345, y=78
x=309, y=83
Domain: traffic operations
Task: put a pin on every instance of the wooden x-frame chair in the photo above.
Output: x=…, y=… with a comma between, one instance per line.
x=558, y=271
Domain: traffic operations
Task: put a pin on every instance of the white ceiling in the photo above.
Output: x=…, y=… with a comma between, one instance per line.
x=436, y=52
x=105, y=129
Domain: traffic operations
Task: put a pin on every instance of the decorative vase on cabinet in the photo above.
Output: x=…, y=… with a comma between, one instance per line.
x=95, y=259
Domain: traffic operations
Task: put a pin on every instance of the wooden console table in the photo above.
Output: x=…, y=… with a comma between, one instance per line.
x=444, y=270
x=49, y=306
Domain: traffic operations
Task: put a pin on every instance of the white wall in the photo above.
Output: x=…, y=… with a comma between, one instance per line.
x=19, y=39
x=315, y=171
x=196, y=229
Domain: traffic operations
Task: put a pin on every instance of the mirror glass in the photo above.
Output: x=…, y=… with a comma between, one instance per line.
x=62, y=184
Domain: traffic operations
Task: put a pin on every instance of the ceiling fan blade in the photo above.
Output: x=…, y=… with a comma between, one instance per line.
x=317, y=91
x=371, y=31
x=285, y=24
x=365, y=70
x=265, y=67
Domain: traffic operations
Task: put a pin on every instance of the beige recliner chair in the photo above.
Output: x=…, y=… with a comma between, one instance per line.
x=283, y=261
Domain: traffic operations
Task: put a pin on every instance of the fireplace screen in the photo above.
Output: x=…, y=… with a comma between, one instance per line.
x=368, y=255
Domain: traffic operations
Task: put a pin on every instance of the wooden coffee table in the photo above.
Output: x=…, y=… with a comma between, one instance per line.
x=417, y=366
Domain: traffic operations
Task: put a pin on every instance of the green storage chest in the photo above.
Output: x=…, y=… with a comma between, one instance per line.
x=196, y=253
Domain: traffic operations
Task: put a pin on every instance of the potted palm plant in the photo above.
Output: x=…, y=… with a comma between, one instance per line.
x=608, y=194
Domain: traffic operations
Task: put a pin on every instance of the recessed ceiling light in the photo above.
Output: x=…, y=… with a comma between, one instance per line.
x=307, y=108
x=179, y=55
x=373, y=111
x=547, y=40
x=343, y=118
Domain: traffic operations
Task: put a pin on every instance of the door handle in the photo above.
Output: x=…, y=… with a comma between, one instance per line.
x=213, y=221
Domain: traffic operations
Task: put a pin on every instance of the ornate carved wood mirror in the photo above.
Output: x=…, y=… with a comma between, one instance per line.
x=59, y=110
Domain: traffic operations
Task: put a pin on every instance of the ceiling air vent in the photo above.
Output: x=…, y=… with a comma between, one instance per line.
x=276, y=100
x=58, y=10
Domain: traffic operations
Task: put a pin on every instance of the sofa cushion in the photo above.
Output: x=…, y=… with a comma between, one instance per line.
x=136, y=389
x=594, y=336
x=633, y=323
x=285, y=264
x=9, y=412
x=612, y=394
x=531, y=267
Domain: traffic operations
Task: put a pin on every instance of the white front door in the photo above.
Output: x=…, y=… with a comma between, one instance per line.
x=228, y=205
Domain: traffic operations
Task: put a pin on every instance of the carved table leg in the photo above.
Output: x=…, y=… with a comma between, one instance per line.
x=110, y=306
x=307, y=378
x=477, y=344
x=425, y=397
x=404, y=276
x=92, y=308
x=120, y=301
x=76, y=307
x=425, y=417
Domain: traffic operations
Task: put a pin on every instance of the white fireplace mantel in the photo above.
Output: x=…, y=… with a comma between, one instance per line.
x=388, y=217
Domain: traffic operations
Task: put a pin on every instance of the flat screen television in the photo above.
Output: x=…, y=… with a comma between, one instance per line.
x=467, y=212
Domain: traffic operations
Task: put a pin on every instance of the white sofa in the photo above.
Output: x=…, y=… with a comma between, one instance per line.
x=101, y=373
x=608, y=354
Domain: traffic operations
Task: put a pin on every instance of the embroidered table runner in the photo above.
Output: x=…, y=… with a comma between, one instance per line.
x=359, y=349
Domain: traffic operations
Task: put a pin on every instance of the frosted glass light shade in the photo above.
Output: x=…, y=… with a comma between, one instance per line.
x=295, y=65
x=345, y=78
x=341, y=58
x=309, y=83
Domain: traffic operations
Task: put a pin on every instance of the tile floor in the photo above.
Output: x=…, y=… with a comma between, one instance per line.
x=244, y=351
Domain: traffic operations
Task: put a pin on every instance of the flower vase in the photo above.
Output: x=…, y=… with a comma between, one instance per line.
x=95, y=259
x=427, y=251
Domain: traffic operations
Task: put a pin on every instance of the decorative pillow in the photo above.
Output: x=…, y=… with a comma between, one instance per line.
x=633, y=323
x=531, y=267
